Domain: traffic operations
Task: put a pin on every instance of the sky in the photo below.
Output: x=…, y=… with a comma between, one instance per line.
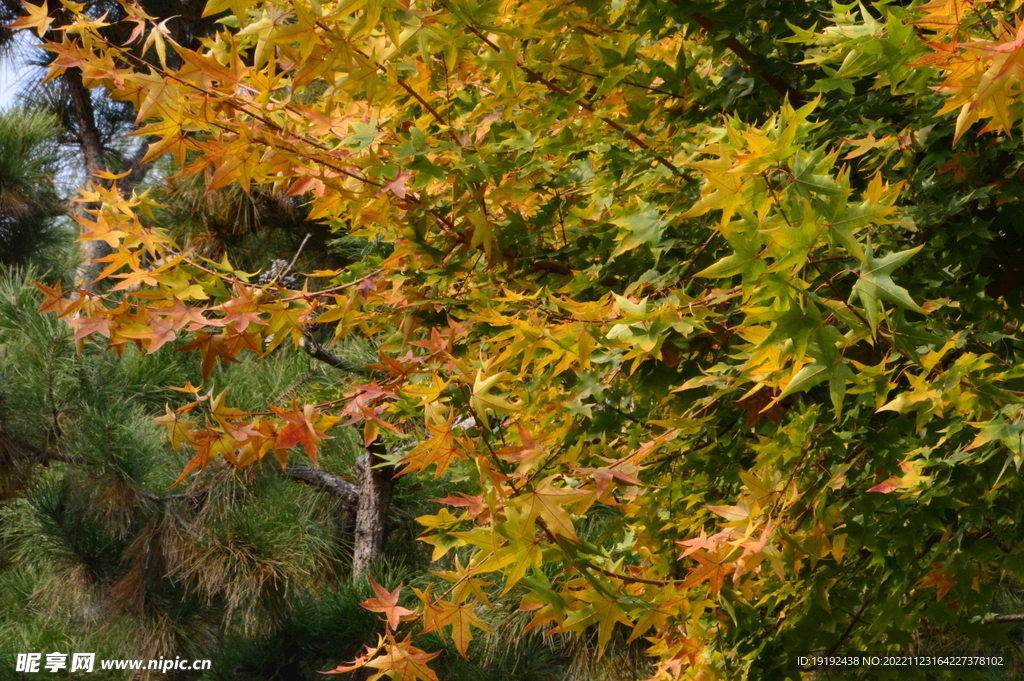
x=12, y=70
x=8, y=84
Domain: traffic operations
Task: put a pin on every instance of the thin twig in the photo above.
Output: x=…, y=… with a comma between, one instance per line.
x=295, y=257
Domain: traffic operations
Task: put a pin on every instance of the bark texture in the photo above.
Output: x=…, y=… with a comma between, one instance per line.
x=339, y=487
x=93, y=152
x=91, y=142
x=376, y=486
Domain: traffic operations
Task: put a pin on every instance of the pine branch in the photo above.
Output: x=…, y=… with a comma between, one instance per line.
x=319, y=353
x=16, y=449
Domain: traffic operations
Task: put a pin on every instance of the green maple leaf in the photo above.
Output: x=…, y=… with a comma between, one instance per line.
x=603, y=612
x=906, y=337
x=363, y=134
x=875, y=282
x=746, y=261
x=828, y=365
x=644, y=227
x=796, y=327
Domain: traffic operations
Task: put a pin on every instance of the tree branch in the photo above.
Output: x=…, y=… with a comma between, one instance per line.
x=850, y=626
x=134, y=167
x=744, y=53
x=93, y=151
x=319, y=353
x=1005, y=618
x=339, y=487
x=9, y=450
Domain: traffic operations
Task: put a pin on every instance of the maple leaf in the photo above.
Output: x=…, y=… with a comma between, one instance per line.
x=476, y=505
x=160, y=98
x=182, y=315
x=946, y=16
x=911, y=478
x=703, y=542
x=360, y=661
x=623, y=470
x=397, y=185
x=37, y=18
x=712, y=569
x=386, y=602
x=440, y=448
x=442, y=541
x=219, y=409
x=525, y=455
x=459, y=617
x=157, y=331
x=545, y=501
x=428, y=393
x=201, y=460
x=940, y=578
x=134, y=279
x=240, y=311
x=54, y=300
x=90, y=325
x=644, y=226
x=518, y=554
x=178, y=428
x=299, y=429
x=828, y=365
x=285, y=323
x=465, y=585
x=601, y=611
x=403, y=662
x=117, y=260
x=482, y=399
x=208, y=443
x=233, y=343
x=100, y=229
x=212, y=347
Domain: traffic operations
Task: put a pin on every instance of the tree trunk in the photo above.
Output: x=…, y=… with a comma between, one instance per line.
x=91, y=142
x=92, y=150
x=375, y=488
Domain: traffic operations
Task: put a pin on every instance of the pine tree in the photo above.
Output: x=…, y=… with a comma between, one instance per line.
x=29, y=205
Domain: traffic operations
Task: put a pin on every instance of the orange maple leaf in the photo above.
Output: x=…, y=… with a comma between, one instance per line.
x=940, y=578
x=37, y=18
x=440, y=448
x=178, y=428
x=212, y=347
x=712, y=569
x=400, y=660
x=180, y=315
x=300, y=428
x=56, y=302
x=387, y=603
x=157, y=331
x=90, y=325
x=460, y=617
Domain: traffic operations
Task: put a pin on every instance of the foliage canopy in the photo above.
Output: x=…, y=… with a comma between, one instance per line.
x=713, y=306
